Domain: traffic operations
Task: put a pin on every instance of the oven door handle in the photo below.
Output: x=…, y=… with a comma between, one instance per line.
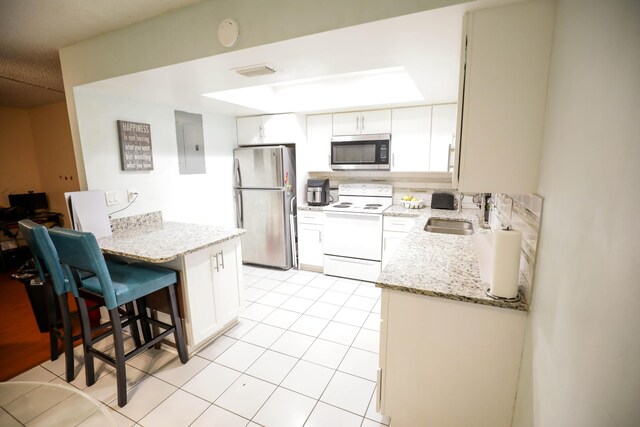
x=352, y=261
x=358, y=215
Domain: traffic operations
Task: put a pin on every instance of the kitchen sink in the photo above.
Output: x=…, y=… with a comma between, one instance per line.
x=448, y=226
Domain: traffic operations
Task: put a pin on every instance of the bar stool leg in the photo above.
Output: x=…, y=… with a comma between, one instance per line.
x=87, y=341
x=175, y=318
x=142, y=311
x=118, y=345
x=50, y=302
x=133, y=327
x=68, y=337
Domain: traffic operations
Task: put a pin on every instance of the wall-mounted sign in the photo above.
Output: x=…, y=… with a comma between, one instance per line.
x=135, y=146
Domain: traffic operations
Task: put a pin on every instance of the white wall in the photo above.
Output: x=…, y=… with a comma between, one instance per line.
x=191, y=33
x=199, y=198
x=581, y=364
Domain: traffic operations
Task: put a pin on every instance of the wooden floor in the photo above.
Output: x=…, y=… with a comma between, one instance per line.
x=22, y=346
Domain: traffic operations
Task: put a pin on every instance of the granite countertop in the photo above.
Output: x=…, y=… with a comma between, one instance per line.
x=441, y=265
x=164, y=241
x=398, y=210
x=306, y=207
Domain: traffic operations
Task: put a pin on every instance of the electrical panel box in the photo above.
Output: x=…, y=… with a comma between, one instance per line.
x=190, y=140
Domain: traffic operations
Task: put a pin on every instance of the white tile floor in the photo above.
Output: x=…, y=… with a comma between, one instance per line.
x=305, y=352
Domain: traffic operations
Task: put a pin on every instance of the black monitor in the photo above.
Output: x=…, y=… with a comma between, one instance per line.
x=29, y=201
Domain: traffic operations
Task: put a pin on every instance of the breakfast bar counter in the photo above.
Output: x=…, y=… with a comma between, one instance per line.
x=164, y=241
x=207, y=258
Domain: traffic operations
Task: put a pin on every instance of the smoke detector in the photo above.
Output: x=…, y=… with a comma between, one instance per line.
x=255, y=70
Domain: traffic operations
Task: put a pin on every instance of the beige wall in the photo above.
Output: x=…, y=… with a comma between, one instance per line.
x=18, y=166
x=581, y=364
x=36, y=153
x=54, y=152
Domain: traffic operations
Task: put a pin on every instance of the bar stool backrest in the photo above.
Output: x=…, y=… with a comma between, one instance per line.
x=45, y=256
x=79, y=250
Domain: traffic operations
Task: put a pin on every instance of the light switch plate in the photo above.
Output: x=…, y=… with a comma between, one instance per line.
x=112, y=198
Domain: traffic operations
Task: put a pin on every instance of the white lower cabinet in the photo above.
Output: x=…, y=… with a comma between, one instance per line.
x=439, y=355
x=310, y=240
x=212, y=290
x=395, y=229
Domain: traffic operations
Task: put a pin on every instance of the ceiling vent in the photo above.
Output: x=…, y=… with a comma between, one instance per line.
x=255, y=70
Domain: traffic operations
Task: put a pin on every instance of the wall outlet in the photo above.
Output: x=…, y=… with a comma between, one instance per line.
x=131, y=194
x=112, y=197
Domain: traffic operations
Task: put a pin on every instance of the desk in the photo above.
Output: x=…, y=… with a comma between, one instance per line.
x=11, y=242
x=209, y=262
x=49, y=404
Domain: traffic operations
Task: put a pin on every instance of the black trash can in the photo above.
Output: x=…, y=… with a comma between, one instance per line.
x=41, y=295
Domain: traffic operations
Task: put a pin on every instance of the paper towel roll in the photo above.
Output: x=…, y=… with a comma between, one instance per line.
x=506, y=263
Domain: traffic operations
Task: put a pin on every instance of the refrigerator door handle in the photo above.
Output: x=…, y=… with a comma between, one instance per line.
x=239, y=209
x=238, y=174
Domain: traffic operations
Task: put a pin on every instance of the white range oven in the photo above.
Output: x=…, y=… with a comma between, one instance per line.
x=353, y=231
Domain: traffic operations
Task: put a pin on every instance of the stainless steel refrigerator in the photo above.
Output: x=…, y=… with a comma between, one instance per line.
x=265, y=183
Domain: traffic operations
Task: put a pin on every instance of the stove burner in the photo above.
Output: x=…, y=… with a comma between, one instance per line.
x=375, y=205
x=346, y=203
x=371, y=207
x=341, y=206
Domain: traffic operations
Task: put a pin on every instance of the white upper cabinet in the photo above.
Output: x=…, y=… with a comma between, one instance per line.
x=503, y=90
x=317, y=151
x=362, y=122
x=443, y=133
x=270, y=129
x=410, y=139
x=249, y=130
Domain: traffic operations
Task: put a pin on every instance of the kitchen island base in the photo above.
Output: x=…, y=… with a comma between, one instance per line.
x=447, y=363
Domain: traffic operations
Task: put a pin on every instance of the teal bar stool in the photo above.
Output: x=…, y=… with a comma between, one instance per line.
x=46, y=259
x=119, y=286
x=57, y=286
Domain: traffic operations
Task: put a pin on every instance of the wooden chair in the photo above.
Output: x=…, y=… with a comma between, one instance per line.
x=122, y=285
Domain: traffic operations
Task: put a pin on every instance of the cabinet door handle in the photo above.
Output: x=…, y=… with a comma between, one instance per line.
x=222, y=258
x=362, y=122
x=358, y=122
x=217, y=266
x=329, y=159
x=384, y=243
x=393, y=160
x=319, y=236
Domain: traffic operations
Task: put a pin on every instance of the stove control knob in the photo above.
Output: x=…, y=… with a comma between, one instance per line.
x=379, y=188
x=347, y=187
x=364, y=188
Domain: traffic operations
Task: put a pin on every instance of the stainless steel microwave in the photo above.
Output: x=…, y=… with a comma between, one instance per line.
x=361, y=152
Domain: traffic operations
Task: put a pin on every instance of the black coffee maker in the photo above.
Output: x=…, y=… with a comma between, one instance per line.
x=318, y=192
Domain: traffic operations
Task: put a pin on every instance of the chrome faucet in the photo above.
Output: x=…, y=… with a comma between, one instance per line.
x=483, y=209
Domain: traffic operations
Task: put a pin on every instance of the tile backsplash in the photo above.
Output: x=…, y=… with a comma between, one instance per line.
x=521, y=212
x=419, y=184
